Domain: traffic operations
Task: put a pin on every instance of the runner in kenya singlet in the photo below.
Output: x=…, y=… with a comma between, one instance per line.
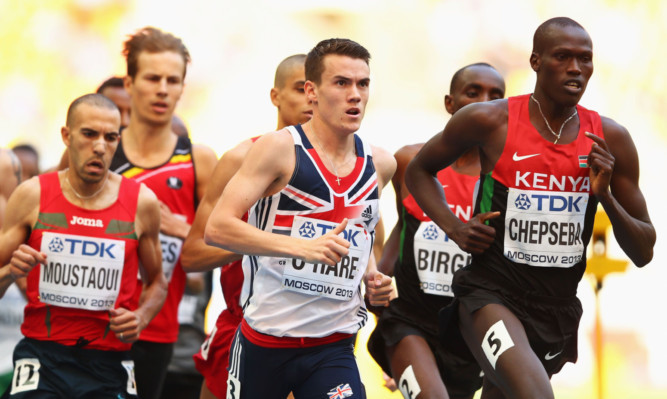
x=289, y=297
x=91, y=267
x=428, y=258
x=174, y=184
x=543, y=193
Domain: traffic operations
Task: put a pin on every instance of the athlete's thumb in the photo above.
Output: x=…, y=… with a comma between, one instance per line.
x=378, y=279
x=341, y=227
x=116, y=312
x=488, y=216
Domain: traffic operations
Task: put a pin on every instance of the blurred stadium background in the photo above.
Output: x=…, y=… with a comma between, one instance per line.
x=53, y=51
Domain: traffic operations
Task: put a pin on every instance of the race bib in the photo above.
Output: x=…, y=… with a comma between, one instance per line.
x=171, y=252
x=544, y=228
x=81, y=272
x=437, y=258
x=340, y=281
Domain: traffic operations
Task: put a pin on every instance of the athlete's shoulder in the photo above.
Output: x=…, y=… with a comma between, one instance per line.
x=618, y=138
x=203, y=153
x=407, y=152
x=148, y=210
x=487, y=109
x=237, y=153
x=10, y=171
x=610, y=126
x=280, y=140
x=24, y=200
x=145, y=196
x=477, y=122
x=384, y=162
x=28, y=189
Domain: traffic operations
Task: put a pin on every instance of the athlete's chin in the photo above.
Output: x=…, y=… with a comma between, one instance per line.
x=350, y=126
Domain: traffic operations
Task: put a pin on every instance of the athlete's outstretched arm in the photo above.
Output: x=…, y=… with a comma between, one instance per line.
x=614, y=164
x=197, y=255
x=474, y=125
x=267, y=169
x=125, y=321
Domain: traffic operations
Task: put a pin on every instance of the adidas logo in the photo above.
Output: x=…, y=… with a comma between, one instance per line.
x=367, y=213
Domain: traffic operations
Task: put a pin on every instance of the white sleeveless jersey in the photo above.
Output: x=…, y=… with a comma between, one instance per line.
x=291, y=298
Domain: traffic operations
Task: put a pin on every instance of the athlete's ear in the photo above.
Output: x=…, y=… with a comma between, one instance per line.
x=311, y=91
x=65, y=134
x=274, y=97
x=535, y=61
x=449, y=104
x=127, y=83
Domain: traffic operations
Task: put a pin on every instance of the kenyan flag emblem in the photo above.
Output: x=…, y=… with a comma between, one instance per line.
x=583, y=161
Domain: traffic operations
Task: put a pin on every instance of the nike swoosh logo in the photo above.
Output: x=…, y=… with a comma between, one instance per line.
x=517, y=157
x=549, y=356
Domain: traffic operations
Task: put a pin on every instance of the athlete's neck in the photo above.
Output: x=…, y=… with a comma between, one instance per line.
x=148, y=145
x=338, y=146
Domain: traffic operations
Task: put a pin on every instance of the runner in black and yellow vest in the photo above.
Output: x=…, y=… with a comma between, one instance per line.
x=176, y=170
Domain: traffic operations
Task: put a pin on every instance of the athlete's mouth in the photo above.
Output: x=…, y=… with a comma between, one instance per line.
x=159, y=105
x=573, y=84
x=97, y=164
x=353, y=111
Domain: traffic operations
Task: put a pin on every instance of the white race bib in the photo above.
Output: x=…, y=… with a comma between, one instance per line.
x=337, y=282
x=81, y=272
x=544, y=228
x=437, y=258
x=171, y=252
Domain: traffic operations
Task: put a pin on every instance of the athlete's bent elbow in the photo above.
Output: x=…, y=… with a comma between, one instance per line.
x=643, y=259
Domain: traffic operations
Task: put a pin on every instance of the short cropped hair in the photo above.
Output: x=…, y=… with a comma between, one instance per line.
x=113, y=81
x=457, y=74
x=346, y=47
x=540, y=35
x=152, y=40
x=94, y=99
x=285, y=67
